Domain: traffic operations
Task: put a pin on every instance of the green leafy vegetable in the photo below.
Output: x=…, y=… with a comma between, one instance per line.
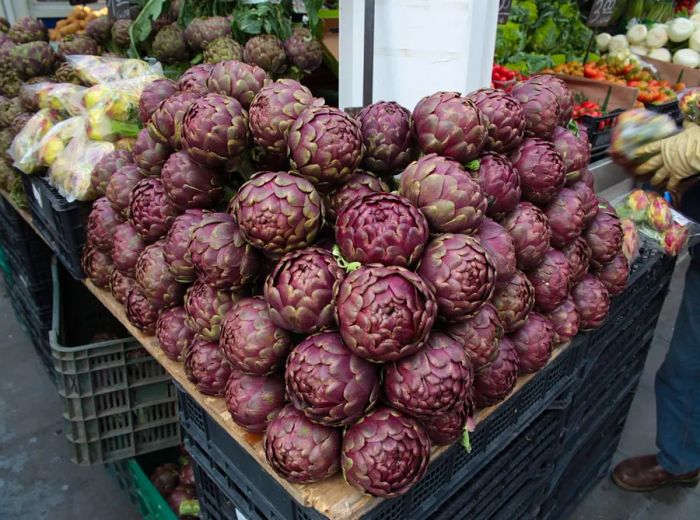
x=510, y=39
x=141, y=29
x=264, y=18
x=312, y=9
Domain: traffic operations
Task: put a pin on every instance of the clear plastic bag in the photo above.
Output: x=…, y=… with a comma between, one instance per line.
x=120, y=99
x=24, y=149
x=94, y=70
x=56, y=139
x=64, y=97
x=636, y=128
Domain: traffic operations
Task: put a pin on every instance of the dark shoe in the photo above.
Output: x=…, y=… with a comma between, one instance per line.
x=646, y=474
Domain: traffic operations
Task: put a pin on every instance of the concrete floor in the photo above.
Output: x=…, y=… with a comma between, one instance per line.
x=38, y=480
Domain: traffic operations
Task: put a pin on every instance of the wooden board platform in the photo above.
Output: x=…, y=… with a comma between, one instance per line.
x=333, y=497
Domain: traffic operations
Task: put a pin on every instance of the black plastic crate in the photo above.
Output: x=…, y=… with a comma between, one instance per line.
x=214, y=505
x=61, y=222
x=670, y=108
x=599, y=131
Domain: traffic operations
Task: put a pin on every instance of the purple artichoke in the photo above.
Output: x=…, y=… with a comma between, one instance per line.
x=328, y=383
x=77, y=44
x=127, y=245
x=155, y=279
x=540, y=170
x=142, y=312
x=383, y=228
x=505, y=119
x=449, y=427
x=495, y=382
x=446, y=194
x=587, y=175
x=565, y=214
x=254, y=401
x=303, y=50
x=251, y=341
x=449, y=125
x=385, y=453
x=206, y=367
x=386, y=134
x=540, y=106
x=299, y=290
x=120, y=185
x=27, y=29
x=195, y=78
x=432, y=381
x=172, y=332
x=215, y=130
x=120, y=285
x=121, y=32
x=513, y=300
x=592, y=301
x=325, y=146
x=550, y=279
x=499, y=184
x=106, y=167
x=100, y=29
x=614, y=274
x=97, y=266
x=528, y=226
x=152, y=95
x=589, y=201
x=265, y=51
x=278, y=212
x=150, y=210
x=206, y=307
x=165, y=478
x=479, y=336
x=604, y=237
x=300, y=450
x=237, y=80
x=204, y=29
x=149, y=155
x=561, y=90
x=384, y=313
x=565, y=321
x=176, y=245
x=461, y=273
x=32, y=59
x=574, y=150
x=273, y=110
x=500, y=246
x=165, y=125
x=101, y=225
x=533, y=342
x=190, y=185
x=361, y=183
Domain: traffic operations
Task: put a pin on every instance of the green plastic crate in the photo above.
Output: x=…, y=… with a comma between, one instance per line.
x=132, y=477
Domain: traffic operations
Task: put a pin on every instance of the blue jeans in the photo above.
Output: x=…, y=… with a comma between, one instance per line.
x=678, y=386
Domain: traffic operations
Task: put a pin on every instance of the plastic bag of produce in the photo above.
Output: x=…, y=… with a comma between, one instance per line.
x=119, y=99
x=101, y=127
x=635, y=130
x=24, y=149
x=71, y=172
x=689, y=103
x=56, y=139
x=93, y=70
x=64, y=97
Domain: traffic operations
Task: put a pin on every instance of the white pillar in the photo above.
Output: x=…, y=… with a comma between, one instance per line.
x=420, y=47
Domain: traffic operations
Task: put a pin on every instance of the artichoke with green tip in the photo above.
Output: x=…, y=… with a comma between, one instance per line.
x=204, y=29
x=303, y=50
x=223, y=48
x=151, y=212
x=206, y=366
x=32, y=59
x=540, y=106
x=361, y=183
x=540, y=170
x=176, y=247
x=499, y=184
x=149, y=155
x=165, y=125
x=189, y=184
x=237, y=80
x=254, y=401
x=142, y=312
x=195, y=79
x=386, y=134
x=528, y=226
x=152, y=95
x=27, y=29
x=100, y=29
x=78, y=44
x=513, y=300
x=505, y=119
x=120, y=33
x=120, y=185
x=169, y=44
x=266, y=51
x=127, y=245
x=155, y=279
x=206, y=308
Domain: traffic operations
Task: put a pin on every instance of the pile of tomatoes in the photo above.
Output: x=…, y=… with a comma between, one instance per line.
x=504, y=78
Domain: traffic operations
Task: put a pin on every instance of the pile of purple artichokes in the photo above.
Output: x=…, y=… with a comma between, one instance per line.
x=354, y=327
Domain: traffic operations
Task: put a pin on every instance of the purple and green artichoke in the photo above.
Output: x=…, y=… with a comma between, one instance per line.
x=254, y=401
x=449, y=427
x=386, y=134
x=540, y=107
x=450, y=125
x=574, y=150
x=533, y=342
x=278, y=212
x=101, y=225
x=149, y=155
x=152, y=95
x=251, y=341
x=299, y=290
x=176, y=245
x=120, y=186
x=561, y=90
x=97, y=266
x=169, y=44
x=461, y=273
x=505, y=119
x=77, y=44
x=479, y=336
x=151, y=212
x=614, y=274
x=300, y=450
x=155, y=279
x=325, y=146
x=221, y=49
x=446, y=194
x=190, y=185
x=206, y=307
x=550, y=279
x=32, y=59
x=361, y=183
x=220, y=255
x=27, y=29
x=265, y=51
x=303, y=50
x=500, y=246
x=604, y=237
x=496, y=381
x=106, y=167
x=528, y=226
x=214, y=130
x=273, y=110
x=432, y=381
x=513, y=300
x=578, y=255
x=237, y=80
x=120, y=33
x=589, y=201
x=100, y=29
x=565, y=321
x=206, y=367
x=330, y=384
x=120, y=285
x=127, y=245
x=142, y=312
x=385, y=453
x=381, y=228
x=204, y=29
x=565, y=214
x=499, y=184
x=384, y=313
x=592, y=301
x=195, y=79
x=165, y=125
x=173, y=333
x=540, y=170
